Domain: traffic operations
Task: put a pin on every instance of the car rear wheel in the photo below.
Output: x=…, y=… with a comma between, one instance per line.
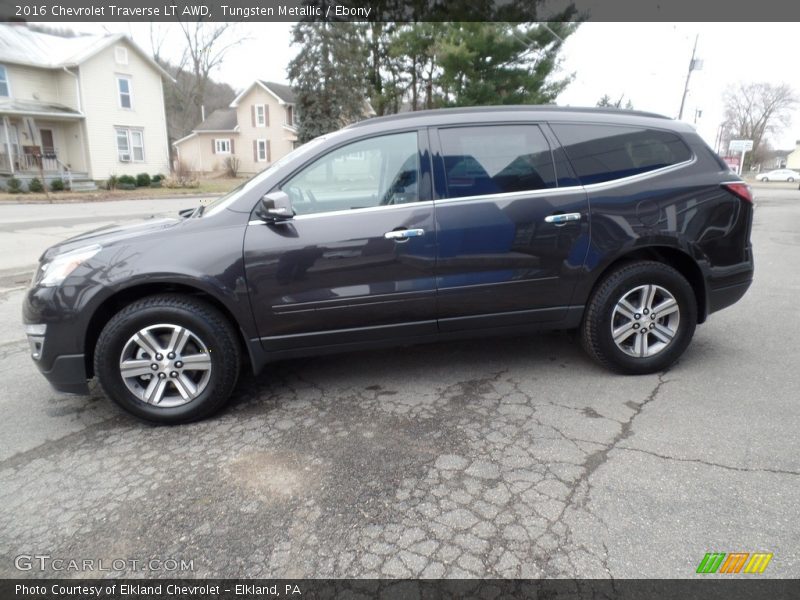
x=791, y=179
x=168, y=359
x=765, y=179
x=640, y=318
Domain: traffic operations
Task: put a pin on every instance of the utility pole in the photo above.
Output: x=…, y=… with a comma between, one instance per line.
x=693, y=64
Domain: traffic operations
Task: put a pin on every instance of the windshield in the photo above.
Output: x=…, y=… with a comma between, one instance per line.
x=225, y=201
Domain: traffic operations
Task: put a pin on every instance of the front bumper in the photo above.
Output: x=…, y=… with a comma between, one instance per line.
x=68, y=374
x=55, y=338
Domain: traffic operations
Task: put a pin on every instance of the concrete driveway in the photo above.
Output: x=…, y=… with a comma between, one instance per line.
x=490, y=458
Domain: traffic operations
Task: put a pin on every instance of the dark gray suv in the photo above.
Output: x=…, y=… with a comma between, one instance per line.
x=406, y=229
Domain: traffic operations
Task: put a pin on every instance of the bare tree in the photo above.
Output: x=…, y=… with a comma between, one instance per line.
x=206, y=47
x=755, y=110
x=158, y=36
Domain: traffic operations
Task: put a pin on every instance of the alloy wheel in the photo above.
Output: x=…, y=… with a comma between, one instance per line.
x=165, y=365
x=645, y=321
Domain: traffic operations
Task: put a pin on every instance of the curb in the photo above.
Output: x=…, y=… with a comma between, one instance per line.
x=113, y=199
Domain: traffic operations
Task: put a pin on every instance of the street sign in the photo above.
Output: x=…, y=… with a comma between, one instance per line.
x=732, y=162
x=743, y=146
x=740, y=145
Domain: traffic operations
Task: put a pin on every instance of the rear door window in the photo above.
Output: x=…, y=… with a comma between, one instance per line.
x=495, y=159
x=606, y=152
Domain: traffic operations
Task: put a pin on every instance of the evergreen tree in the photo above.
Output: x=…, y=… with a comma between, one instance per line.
x=385, y=71
x=501, y=63
x=415, y=48
x=606, y=101
x=328, y=76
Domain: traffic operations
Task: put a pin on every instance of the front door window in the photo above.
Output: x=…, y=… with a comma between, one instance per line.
x=375, y=172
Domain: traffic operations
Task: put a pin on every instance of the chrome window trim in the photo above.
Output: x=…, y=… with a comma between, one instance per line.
x=641, y=176
x=350, y=211
x=557, y=191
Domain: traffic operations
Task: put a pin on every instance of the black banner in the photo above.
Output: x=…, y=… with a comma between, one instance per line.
x=743, y=588
x=398, y=10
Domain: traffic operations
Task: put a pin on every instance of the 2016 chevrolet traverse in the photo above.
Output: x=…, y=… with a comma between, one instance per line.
x=404, y=229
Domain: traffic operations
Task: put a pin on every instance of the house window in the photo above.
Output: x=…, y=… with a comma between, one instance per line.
x=4, y=89
x=222, y=146
x=121, y=55
x=261, y=115
x=125, y=93
x=130, y=145
x=262, y=151
x=290, y=115
x=137, y=145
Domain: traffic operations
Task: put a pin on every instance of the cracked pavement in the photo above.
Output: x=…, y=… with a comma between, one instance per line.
x=488, y=458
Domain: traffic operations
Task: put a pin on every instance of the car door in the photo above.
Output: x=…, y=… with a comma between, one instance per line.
x=511, y=240
x=355, y=263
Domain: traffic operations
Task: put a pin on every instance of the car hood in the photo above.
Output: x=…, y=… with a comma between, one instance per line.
x=111, y=234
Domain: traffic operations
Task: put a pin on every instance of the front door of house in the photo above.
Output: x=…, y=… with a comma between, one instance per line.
x=48, y=146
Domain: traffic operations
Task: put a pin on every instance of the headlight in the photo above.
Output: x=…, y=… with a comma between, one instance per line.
x=58, y=269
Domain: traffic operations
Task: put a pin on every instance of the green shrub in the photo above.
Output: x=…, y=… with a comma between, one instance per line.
x=126, y=179
x=35, y=185
x=57, y=185
x=112, y=182
x=14, y=186
x=143, y=180
x=155, y=184
x=126, y=186
x=157, y=177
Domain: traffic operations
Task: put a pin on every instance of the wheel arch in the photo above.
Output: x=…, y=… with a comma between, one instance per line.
x=674, y=257
x=121, y=298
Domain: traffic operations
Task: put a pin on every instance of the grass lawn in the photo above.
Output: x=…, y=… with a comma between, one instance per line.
x=216, y=186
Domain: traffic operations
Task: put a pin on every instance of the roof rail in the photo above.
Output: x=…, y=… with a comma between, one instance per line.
x=507, y=108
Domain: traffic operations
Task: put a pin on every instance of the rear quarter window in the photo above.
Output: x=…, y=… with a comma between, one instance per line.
x=601, y=153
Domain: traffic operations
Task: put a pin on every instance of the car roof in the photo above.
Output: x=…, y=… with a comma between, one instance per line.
x=452, y=116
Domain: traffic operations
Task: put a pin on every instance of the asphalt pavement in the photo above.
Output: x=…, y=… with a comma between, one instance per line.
x=490, y=458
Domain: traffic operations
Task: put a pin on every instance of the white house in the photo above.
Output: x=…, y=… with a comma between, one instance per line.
x=257, y=129
x=793, y=158
x=80, y=108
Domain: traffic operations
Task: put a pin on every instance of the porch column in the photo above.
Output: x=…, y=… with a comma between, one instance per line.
x=7, y=128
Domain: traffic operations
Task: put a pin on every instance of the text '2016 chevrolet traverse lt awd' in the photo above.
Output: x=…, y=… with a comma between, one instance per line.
x=404, y=229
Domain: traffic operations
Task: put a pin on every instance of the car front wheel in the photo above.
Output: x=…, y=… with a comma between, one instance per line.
x=640, y=318
x=168, y=359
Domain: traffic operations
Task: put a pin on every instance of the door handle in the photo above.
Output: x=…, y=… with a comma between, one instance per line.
x=562, y=219
x=403, y=235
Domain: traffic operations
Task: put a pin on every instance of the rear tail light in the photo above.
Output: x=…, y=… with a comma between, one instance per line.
x=739, y=189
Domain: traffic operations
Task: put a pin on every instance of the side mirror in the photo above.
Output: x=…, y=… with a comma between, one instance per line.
x=276, y=207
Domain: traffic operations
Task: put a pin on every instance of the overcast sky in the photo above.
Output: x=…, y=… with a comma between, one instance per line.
x=647, y=62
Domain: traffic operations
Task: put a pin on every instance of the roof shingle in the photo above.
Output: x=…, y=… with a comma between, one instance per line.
x=284, y=92
x=222, y=119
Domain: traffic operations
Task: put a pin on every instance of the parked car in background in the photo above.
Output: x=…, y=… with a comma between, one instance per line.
x=412, y=228
x=779, y=175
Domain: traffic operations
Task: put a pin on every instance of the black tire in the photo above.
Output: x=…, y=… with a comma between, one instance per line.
x=791, y=179
x=209, y=327
x=596, y=328
x=764, y=179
